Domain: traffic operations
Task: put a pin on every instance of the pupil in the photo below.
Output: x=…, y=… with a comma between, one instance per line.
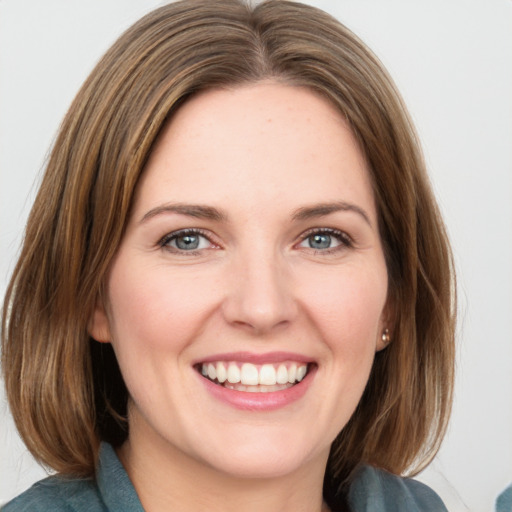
x=187, y=242
x=320, y=241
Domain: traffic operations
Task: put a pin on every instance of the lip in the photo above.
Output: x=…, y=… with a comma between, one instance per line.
x=246, y=401
x=250, y=357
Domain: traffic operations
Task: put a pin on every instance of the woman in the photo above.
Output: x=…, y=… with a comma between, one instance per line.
x=235, y=288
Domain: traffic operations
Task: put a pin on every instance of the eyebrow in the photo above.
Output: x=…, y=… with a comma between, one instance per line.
x=209, y=212
x=324, y=209
x=191, y=210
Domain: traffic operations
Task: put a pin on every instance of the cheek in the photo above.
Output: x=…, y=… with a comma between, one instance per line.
x=157, y=308
x=348, y=307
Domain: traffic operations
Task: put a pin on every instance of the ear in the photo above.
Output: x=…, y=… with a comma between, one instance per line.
x=98, y=326
x=386, y=327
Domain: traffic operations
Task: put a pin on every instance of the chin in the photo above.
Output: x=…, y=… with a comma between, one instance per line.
x=264, y=466
x=260, y=457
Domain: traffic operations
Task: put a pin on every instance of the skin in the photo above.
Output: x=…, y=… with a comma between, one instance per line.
x=258, y=154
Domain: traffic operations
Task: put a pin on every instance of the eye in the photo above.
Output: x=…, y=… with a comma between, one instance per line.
x=325, y=240
x=186, y=240
x=320, y=241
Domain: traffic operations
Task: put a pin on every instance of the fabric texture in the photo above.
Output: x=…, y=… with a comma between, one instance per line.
x=504, y=501
x=372, y=490
x=112, y=491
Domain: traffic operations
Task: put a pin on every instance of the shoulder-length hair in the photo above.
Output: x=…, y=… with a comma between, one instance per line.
x=65, y=390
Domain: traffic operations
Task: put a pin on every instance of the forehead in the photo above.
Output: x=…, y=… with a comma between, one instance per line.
x=264, y=142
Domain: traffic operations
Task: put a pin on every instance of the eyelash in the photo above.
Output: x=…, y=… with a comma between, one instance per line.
x=345, y=241
x=167, y=239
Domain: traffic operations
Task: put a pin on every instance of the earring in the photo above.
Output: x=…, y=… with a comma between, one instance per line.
x=386, y=338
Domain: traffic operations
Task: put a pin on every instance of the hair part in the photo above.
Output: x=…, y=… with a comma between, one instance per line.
x=65, y=390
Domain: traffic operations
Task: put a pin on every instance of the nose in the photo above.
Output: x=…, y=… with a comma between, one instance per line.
x=259, y=296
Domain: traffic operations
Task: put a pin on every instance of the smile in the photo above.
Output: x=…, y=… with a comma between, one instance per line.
x=249, y=377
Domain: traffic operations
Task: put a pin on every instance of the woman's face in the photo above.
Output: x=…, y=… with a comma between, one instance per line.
x=247, y=298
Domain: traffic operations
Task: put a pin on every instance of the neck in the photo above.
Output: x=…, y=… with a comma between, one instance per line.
x=165, y=479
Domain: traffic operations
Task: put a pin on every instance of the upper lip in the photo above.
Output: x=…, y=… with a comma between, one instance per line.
x=257, y=358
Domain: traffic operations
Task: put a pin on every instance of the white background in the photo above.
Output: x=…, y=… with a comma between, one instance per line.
x=452, y=60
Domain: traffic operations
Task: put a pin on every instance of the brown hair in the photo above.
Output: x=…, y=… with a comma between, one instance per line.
x=65, y=390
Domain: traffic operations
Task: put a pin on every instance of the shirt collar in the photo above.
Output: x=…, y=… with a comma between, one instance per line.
x=114, y=485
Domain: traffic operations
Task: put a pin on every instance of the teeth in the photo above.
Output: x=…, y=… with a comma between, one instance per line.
x=267, y=375
x=233, y=373
x=212, y=372
x=222, y=374
x=249, y=375
x=254, y=376
x=292, y=373
x=257, y=389
x=282, y=374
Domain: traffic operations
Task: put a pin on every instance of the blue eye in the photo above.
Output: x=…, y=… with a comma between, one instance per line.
x=185, y=241
x=319, y=241
x=325, y=240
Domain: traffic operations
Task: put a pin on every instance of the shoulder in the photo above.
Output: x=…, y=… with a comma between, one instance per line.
x=379, y=491
x=504, y=501
x=58, y=494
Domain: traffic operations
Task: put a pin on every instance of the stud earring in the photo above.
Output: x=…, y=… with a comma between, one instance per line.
x=386, y=338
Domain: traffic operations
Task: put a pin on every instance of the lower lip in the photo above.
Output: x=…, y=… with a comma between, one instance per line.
x=271, y=401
